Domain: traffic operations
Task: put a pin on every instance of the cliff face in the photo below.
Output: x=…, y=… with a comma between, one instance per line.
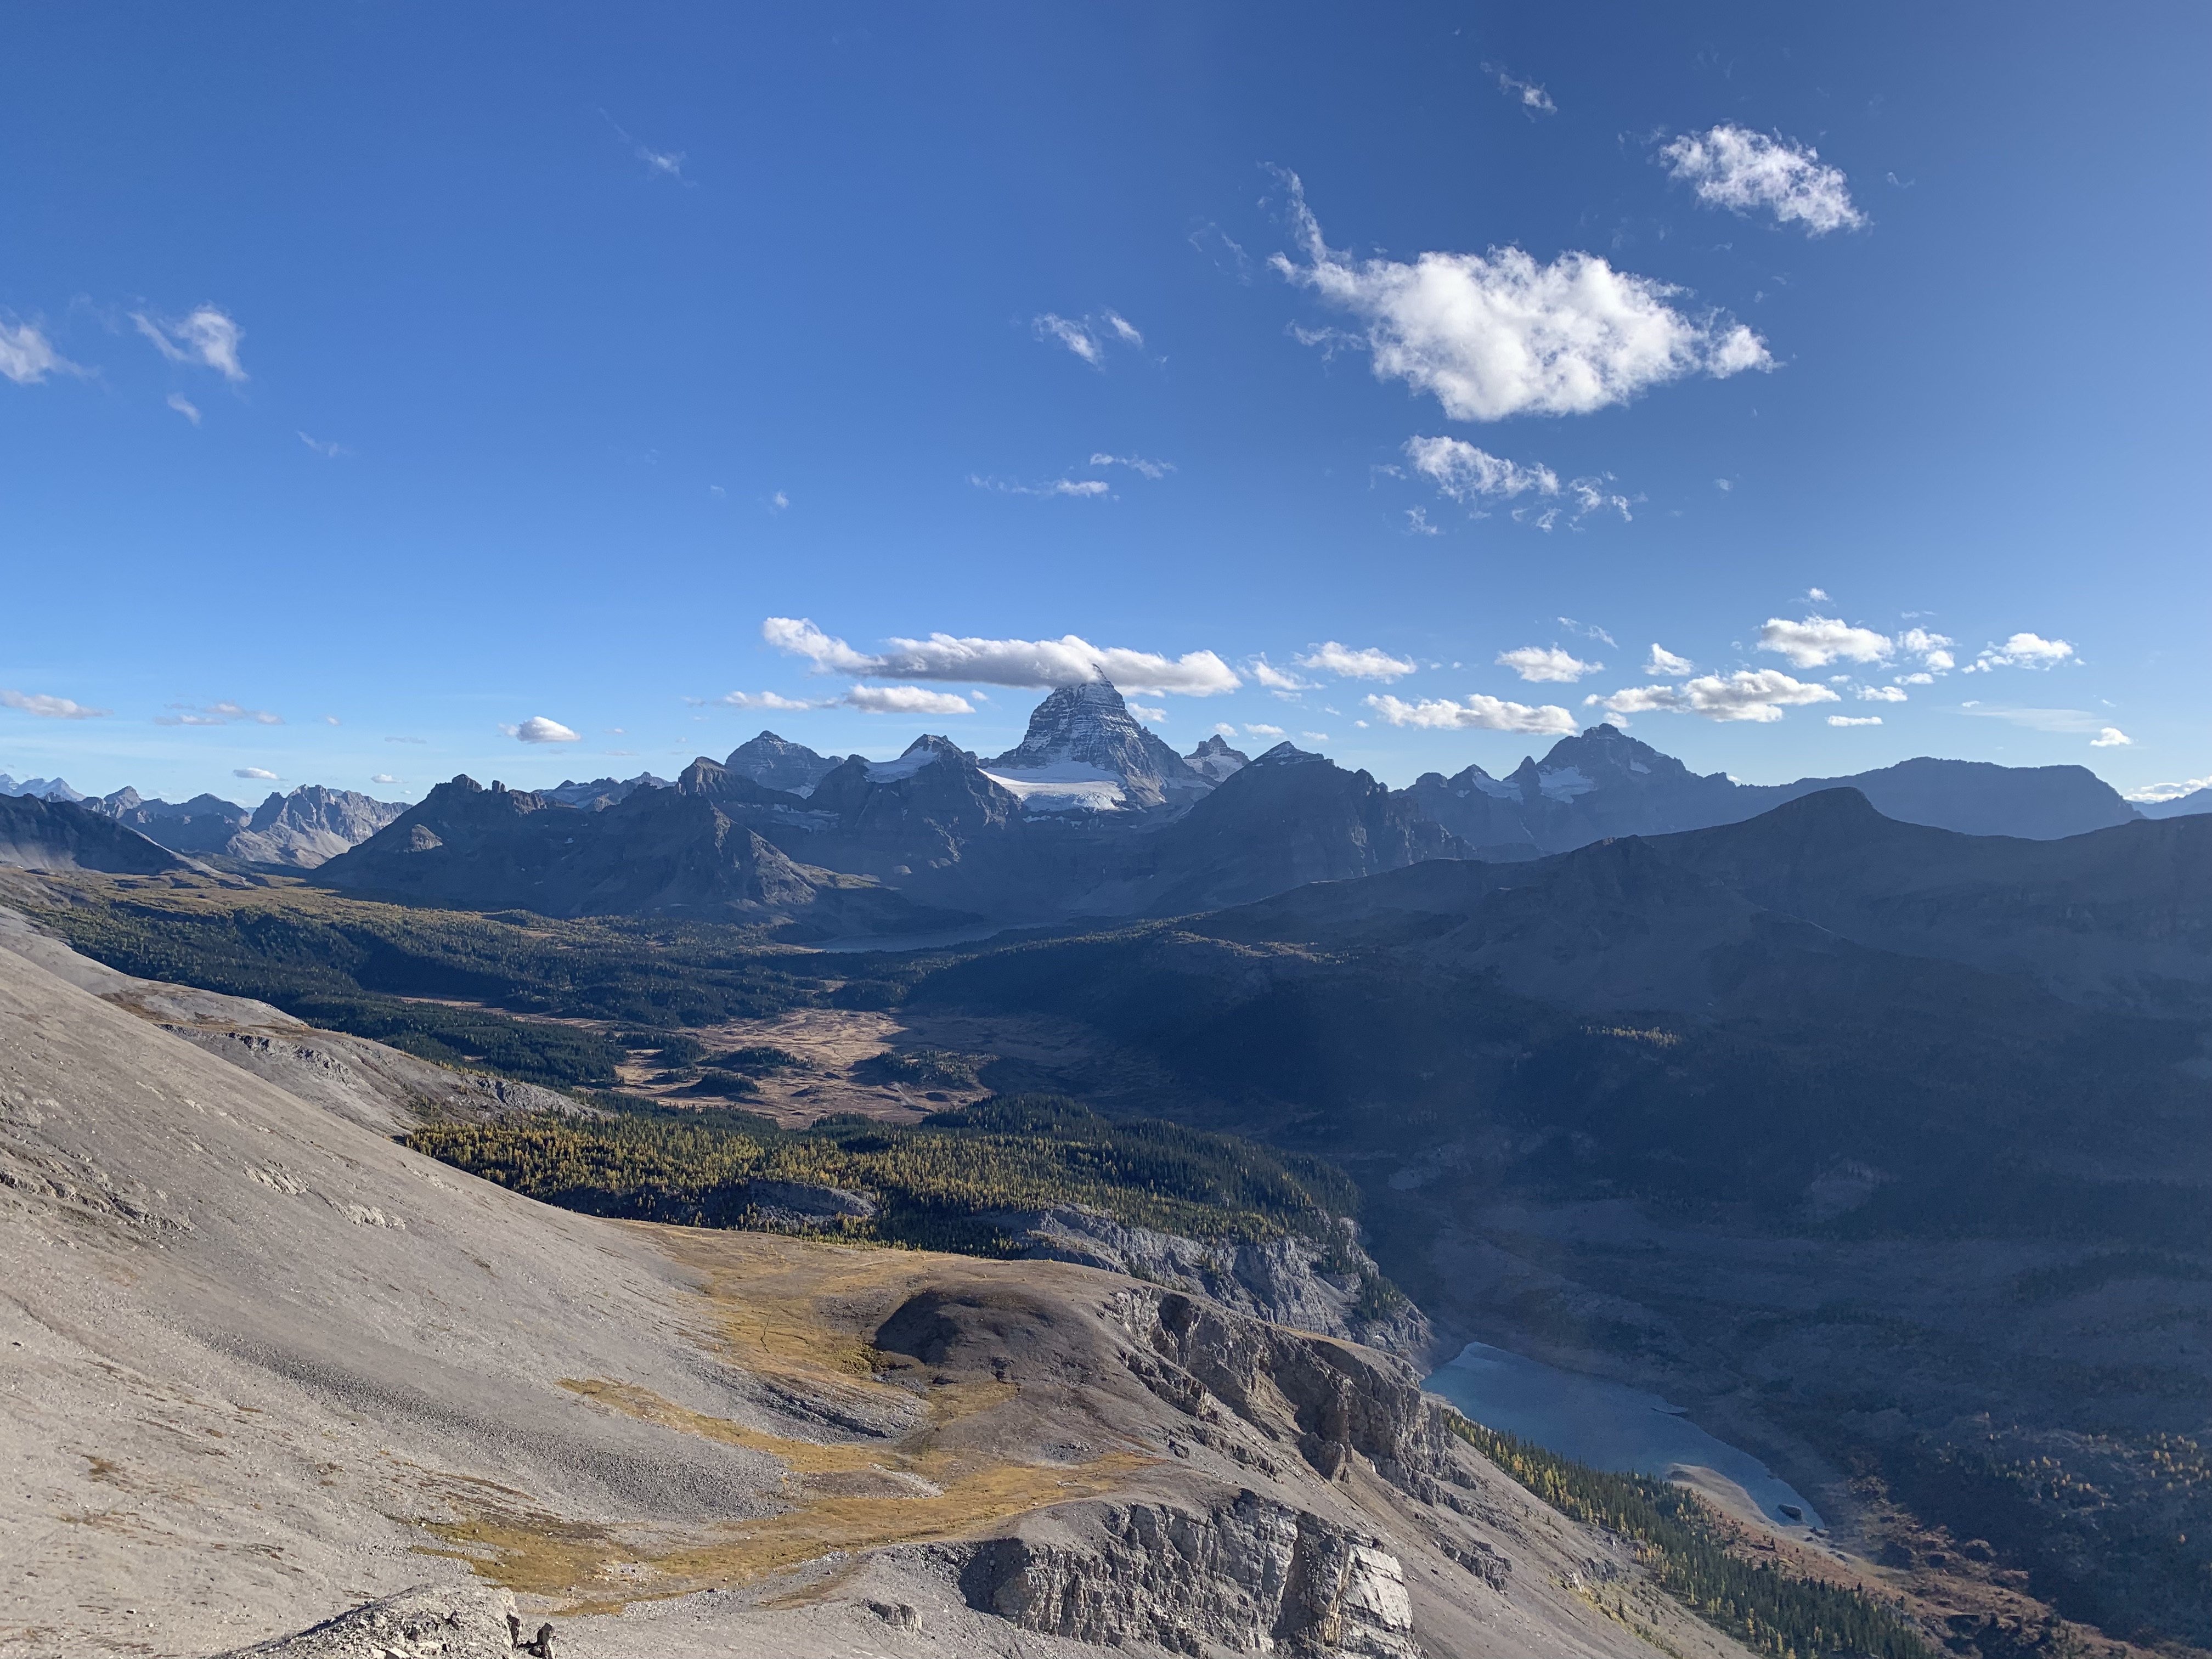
x=59, y=834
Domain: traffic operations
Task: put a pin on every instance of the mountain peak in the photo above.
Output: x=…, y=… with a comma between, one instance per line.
x=776, y=763
x=1215, y=760
x=1084, y=749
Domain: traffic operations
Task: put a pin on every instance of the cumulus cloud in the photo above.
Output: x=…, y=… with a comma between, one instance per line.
x=1818, y=640
x=538, y=729
x=1855, y=720
x=1665, y=665
x=50, y=708
x=27, y=356
x=764, y=700
x=1491, y=335
x=2021, y=651
x=1149, y=716
x=1733, y=168
x=1934, y=651
x=1477, y=712
x=1546, y=662
x=1028, y=664
x=206, y=337
x=905, y=699
x=185, y=407
x=1533, y=98
x=261, y=773
x=1369, y=663
x=2111, y=737
x=1881, y=693
x=1136, y=463
x=1274, y=678
x=1468, y=474
x=1749, y=694
x=1088, y=337
x=2154, y=793
x=1417, y=523
x=1263, y=730
x=383, y=777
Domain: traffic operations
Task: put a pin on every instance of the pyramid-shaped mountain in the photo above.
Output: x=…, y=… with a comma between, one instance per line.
x=1085, y=752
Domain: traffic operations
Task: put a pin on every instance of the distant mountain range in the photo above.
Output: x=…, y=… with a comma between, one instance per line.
x=1090, y=815
x=301, y=830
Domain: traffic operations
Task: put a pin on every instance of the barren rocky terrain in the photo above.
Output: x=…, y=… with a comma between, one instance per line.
x=267, y=1367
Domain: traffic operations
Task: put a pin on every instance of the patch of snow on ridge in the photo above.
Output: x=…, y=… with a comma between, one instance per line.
x=1566, y=783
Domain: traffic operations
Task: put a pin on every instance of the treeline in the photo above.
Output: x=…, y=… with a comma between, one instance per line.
x=360, y=967
x=1686, y=1550
x=935, y=1185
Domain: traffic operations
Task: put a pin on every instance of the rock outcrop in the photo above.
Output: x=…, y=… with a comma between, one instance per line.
x=301, y=830
x=1288, y=1281
x=777, y=762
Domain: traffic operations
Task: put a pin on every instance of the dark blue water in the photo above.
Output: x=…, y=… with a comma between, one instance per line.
x=1608, y=1425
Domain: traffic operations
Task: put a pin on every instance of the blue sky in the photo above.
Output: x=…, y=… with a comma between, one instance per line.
x=378, y=378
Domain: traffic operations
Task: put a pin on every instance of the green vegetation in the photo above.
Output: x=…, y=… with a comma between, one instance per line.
x=758, y=1060
x=937, y=1185
x=1687, y=1549
x=449, y=985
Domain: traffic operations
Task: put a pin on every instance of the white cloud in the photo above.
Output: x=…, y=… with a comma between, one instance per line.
x=1881, y=693
x=1541, y=662
x=1533, y=98
x=778, y=501
x=764, y=700
x=1417, y=523
x=2153, y=793
x=1855, y=720
x=1079, y=488
x=1263, y=730
x=1477, y=712
x=329, y=451
x=1733, y=168
x=1490, y=337
x=905, y=699
x=2111, y=737
x=1917, y=679
x=206, y=337
x=262, y=773
x=27, y=356
x=1664, y=663
x=1029, y=664
x=1224, y=729
x=1588, y=631
x=1090, y=337
x=1749, y=694
x=384, y=777
x=2021, y=651
x=1149, y=716
x=1595, y=493
x=1818, y=640
x=2037, y=720
x=1315, y=737
x=1466, y=473
x=1136, y=463
x=1274, y=678
x=185, y=407
x=1369, y=663
x=50, y=708
x=219, y=713
x=332, y=720
x=538, y=729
